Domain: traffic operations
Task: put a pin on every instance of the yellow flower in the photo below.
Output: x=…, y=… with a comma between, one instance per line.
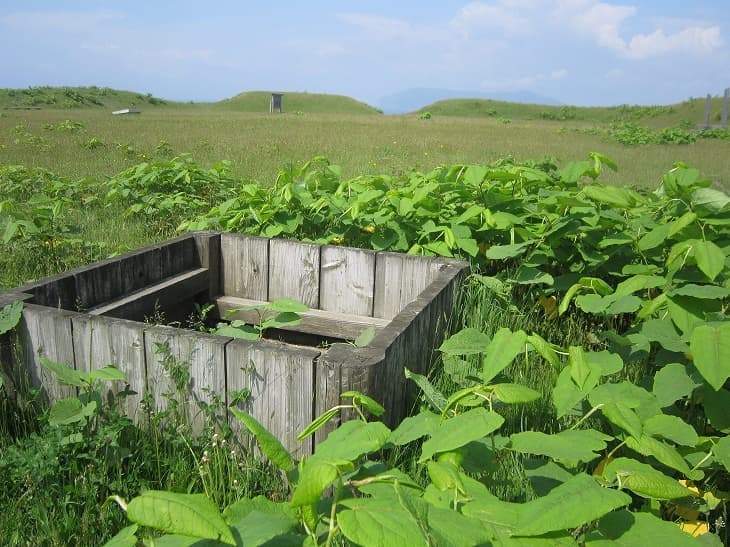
x=369, y=229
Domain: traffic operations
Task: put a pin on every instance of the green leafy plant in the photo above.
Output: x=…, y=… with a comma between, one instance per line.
x=277, y=314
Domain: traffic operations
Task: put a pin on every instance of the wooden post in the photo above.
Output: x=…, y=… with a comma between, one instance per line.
x=725, y=102
x=708, y=109
x=275, y=103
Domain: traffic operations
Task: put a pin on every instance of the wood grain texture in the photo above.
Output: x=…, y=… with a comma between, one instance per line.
x=102, y=341
x=47, y=332
x=294, y=271
x=201, y=355
x=280, y=381
x=245, y=266
x=347, y=280
x=164, y=294
x=209, y=252
x=323, y=323
x=399, y=279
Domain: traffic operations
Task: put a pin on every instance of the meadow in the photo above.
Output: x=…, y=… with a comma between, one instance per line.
x=579, y=397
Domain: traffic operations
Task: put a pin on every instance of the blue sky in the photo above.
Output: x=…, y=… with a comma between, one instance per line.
x=583, y=52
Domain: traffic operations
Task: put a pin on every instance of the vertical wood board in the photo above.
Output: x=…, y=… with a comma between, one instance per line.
x=202, y=355
x=280, y=380
x=347, y=280
x=294, y=271
x=245, y=266
x=46, y=332
x=102, y=341
x=399, y=279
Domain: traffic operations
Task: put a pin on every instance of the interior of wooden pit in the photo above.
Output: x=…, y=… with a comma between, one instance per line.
x=347, y=290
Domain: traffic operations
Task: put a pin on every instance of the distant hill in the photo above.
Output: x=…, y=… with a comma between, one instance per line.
x=685, y=114
x=258, y=101
x=411, y=100
x=75, y=97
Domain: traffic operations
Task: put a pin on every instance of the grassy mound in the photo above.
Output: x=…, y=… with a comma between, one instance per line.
x=258, y=101
x=75, y=97
x=689, y=112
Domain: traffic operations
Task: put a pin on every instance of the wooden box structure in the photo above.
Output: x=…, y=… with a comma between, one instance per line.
x=95, y=315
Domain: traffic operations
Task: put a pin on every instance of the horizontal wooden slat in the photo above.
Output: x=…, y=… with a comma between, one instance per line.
x=323, y=323
x=171, y=290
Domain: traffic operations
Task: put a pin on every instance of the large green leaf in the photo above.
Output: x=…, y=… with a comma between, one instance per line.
x=270, y=445
x=67, y=411
x=709, y=200
x=504, y=347
x=710, y=346
x=107, y=373
x=582, y=445
x=373, y=521
x=10, y=316
x=315, y=475
x=499, y=252
x=721, y=451
x=257, y=528
x=185, y=514
x=465, y=342
x=286, y=305
x=629, y=529
x=514, y=393
x=584, y=372
x=124, y=538
x=710, y=258
x=666, y=454
x=461, y=430
x=433, y=395
x=672, y=382
x=352, y=440
x=654, y=238
x=566, y=395
x=644, y=480
x=65, y=374
x=572, y=504
x=672, y=428
x=414, y=427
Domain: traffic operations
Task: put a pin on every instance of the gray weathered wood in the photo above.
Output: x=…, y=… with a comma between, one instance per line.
x=399, y=279
x=245, y=266
x=165, y=293
x=294, y=271
x=280, y=381
x=47, y=332
x=347, y=280
x=201, y=355
x=209, y=251
x=323, y=323
x=102, y=341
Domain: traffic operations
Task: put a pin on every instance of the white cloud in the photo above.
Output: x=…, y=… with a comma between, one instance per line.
x=603, y=22
x=502, y=16
x=58, y=21
x=692, y=39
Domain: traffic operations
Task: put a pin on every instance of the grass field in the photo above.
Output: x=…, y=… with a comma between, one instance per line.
x=259, y=143
x=57, y=494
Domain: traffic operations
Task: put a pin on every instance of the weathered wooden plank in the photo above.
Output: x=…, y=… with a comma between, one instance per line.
x=47, y=332
x=294, y=271
x=58, y=291
x=245, y=266
x=209, y=251
x=178, y=255
x=10, y=297
x=399, y=279
x=347, y=280
x=323, y=323
x=170, y=291
x=279, y=383
x=188, y=367
x=102, y=341
x=98, y=283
